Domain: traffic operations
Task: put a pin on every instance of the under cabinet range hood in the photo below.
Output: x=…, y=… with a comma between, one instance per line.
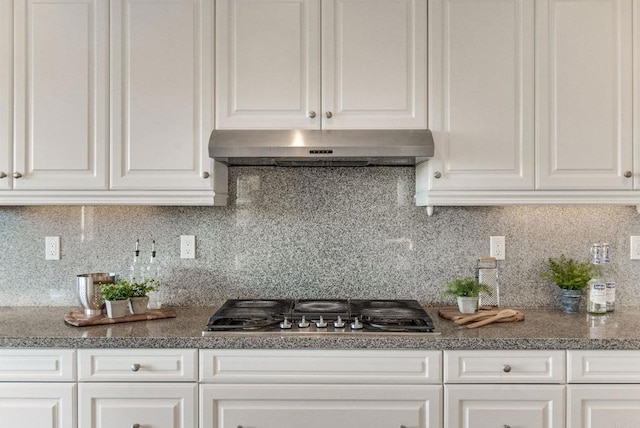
x=321, y=147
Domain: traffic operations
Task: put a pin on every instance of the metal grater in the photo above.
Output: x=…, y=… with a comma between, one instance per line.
x=487, y=273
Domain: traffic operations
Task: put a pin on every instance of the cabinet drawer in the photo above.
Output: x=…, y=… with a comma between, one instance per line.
x=328, y=366
x=139, y=365
x=125, y=405
x=522, y=406
x=41, y=365
x=603, y=366
x=504, y=367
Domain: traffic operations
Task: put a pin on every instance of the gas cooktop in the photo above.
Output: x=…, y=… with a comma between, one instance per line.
x=286, y=316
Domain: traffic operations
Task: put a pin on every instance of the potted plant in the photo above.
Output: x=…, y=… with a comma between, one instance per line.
x=571, y=276
x=466, y=290
x=139, y=294
x=116, y=297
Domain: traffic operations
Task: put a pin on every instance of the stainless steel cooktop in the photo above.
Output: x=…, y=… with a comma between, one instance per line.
x=302, y=316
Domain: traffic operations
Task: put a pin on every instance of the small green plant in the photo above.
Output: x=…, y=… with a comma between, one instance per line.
x=117, y=291
x=140, y=289
x=465, y=287
x=568, y=273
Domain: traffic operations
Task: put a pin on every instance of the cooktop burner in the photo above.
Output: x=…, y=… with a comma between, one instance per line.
x=284, y=316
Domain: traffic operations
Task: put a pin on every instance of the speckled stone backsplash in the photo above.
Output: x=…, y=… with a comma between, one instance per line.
x=313, y=233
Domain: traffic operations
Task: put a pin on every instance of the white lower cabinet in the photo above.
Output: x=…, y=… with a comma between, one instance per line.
x=117, y=405
x=37, y=388
x=319, y=389
x=523, y=389
x=140, y=388
x=604, y=389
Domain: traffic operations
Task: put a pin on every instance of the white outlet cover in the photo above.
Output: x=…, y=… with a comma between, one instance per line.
x=634, y=244
x=52, y=248
x=497, y=247
x=187, y=247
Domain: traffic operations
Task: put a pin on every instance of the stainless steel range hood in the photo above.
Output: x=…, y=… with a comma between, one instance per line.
x=321, y=147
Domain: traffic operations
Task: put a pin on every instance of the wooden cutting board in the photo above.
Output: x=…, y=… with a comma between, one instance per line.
x=79, y=319
x=485, y=315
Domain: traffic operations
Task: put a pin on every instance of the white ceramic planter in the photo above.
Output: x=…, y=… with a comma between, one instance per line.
x=468, y=305
x=117, y=308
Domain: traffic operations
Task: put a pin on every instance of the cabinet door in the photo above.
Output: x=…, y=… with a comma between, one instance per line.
x=481, y=105
x=117, y=405
x=6, y=92
x=320, y=406
x=584, y=93
x=60, y=136
x=595, y=406
x=374, y=64
x=268, y=64
x=50, y=405
x=476, y=406
x=162, y=94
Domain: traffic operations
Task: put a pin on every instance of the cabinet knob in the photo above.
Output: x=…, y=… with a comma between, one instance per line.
x=135, y=367
x=329, y=115
x=205, y=174
x=506, y=426
x=628, y=174
x=506, y=368
x=135, y=426
x=17, y=175
x=312, y=114
x=437, y=174
x=2, y=174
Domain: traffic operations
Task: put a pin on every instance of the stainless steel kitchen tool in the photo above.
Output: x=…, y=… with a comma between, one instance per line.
x=88, y=290
x=487, y=273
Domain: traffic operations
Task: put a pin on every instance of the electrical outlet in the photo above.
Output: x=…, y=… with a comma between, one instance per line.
x=52, y=248
x=635, y=247
x=187, y=247
x=497, y=247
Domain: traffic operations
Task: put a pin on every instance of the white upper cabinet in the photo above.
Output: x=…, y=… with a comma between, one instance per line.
x=584, y=94
x=311, y=64
x=6, y=92
x=162, y=94
x=481, y=103
x=60, y=98
x=374, y=64
x=268, y=64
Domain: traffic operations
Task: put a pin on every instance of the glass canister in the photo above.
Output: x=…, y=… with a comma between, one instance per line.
x=487, y=273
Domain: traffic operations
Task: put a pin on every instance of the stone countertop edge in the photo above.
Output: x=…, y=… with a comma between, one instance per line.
x=543, y=328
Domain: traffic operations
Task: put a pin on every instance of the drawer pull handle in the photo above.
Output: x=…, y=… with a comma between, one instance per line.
x=135, y=367
x=506, y=368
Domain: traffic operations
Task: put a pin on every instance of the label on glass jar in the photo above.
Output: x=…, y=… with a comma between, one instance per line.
x=611, y=292
x=598, y=294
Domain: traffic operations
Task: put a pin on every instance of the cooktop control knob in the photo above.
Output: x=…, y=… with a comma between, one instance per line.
x=304, y=323
x=338, y=323
x=286, y=324
x=356, y=324
x=321, y=323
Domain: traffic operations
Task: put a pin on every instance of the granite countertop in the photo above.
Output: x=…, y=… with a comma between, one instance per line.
x=543, y=328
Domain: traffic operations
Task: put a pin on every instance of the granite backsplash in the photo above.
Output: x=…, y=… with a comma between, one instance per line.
x=313, y=233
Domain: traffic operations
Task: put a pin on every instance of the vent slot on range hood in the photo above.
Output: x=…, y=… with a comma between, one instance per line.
x=321, y=147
